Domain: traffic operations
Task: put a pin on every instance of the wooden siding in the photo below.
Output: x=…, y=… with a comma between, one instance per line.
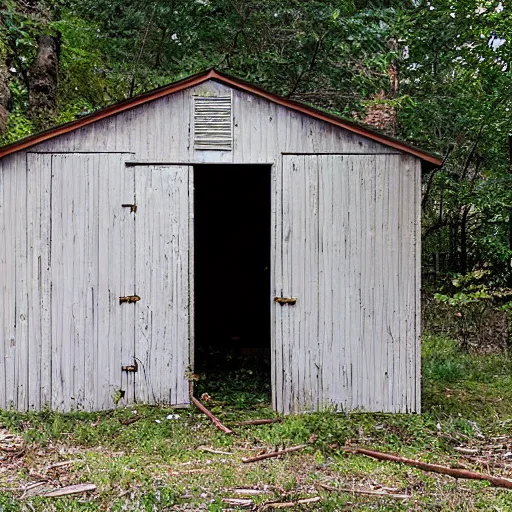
x=364, y=202
x=161, y=132
x=350, y=258
x=63, y=345
x=162, y=282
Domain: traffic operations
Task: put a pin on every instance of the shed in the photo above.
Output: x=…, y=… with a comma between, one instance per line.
x=209, y=208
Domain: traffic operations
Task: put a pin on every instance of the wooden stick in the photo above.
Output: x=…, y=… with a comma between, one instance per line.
x=289, y=504
x=62, y=464
x=362, y=491
x=238, y=502
x=260, y=422
x=274, y=454
x=129, y=421
x=249, y=492
x=32, y=486
x=210, y=415
x=435, y=468
x=211, y=450
x=466, y=451
x=70, y=489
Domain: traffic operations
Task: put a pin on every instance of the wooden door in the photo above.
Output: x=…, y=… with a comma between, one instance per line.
x=162, y=251
x=349, y=255
x=90, y=268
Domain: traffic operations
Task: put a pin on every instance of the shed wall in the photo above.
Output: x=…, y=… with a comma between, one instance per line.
x=161, y=132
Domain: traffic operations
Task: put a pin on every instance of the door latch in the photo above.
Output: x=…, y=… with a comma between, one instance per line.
x=130, y=367
x=129, y=299
x=285, y=300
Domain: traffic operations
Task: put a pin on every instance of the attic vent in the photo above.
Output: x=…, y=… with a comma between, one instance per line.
x=213, y=123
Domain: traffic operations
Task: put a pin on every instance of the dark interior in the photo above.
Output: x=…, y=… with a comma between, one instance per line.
x=232, y=267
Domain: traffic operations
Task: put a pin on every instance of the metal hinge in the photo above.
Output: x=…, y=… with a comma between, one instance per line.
x=130, y=367
x=285, y=300
x=129, y=299
x=133, y=207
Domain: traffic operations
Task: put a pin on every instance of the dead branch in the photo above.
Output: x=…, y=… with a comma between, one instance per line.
x=365, y=492
x=210, y=415
x=238, y=502
x=70, y=489
x=467, y=451
x=260, y=422
x=289, y=504
x=249, y=492
x=129, y=421
x=277, y=453
x=435, y=468
x=61, y=464
x=211, y=450
x=32, y=486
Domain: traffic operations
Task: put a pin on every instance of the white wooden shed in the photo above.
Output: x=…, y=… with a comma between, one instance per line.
x=99, y=250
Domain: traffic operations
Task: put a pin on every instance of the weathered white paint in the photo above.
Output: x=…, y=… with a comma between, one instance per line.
x=162, y=276
x=161, y=132
x=63, y=234
x=350, y=255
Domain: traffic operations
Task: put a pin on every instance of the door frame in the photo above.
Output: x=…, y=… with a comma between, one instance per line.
x=274, y=189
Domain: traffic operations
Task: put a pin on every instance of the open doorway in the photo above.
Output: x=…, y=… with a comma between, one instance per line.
x=232, y=274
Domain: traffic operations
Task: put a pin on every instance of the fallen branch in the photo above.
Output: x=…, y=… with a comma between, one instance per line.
x=129, y=421
x=289, y=504
x=274, y=454
x=466, y=451
x=210, y=415
x=435, y=468
x=249, y=492
x=238, y=502
x=260, y=422
x=62, y=464
x=70, y=489
x=211, y=450
x=363, y=491
x=32, y=486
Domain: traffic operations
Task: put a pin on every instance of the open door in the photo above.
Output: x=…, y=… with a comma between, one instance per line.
x=347, y=260
x=162, y=277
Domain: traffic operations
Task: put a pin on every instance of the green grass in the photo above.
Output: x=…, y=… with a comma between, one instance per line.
x=160, y=464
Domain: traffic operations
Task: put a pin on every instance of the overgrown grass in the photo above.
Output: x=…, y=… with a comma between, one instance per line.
x=159, y=462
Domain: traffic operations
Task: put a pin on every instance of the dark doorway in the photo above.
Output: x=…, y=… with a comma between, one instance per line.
x=232, y=268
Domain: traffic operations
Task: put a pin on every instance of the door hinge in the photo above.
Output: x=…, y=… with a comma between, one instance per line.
x=130, y=367
x=133, y=207
x=285, y=300
x=129, y=299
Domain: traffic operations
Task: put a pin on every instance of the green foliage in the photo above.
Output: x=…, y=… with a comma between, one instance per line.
x=18, y=127
x=470, y=298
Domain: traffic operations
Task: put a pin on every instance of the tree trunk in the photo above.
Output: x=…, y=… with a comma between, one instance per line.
x=509, y=280
x=464, y=242
x=43, y=82
x=5, y=94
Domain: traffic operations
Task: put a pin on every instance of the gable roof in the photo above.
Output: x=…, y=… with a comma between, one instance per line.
x=231, y=81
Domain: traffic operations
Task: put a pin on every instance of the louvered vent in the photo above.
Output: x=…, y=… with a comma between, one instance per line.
x=213, y=123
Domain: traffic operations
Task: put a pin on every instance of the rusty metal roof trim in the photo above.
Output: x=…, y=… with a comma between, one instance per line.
x=231, y=81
